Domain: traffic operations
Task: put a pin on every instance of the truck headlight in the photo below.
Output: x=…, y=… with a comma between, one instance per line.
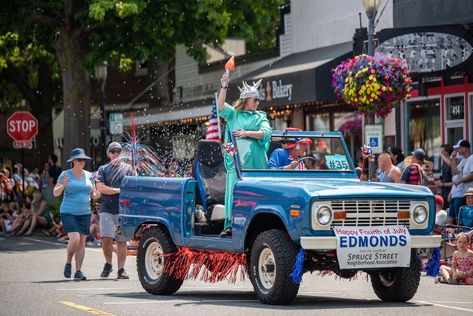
x=324, y=215
x=420, y=214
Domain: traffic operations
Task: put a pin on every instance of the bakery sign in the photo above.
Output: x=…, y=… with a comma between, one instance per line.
x=427, y=52
x=275, y=89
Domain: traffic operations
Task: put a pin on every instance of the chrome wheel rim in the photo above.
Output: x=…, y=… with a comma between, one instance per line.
x=267, y=268
x=154, y=260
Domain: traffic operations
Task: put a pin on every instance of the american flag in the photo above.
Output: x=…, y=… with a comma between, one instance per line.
x=213, y=130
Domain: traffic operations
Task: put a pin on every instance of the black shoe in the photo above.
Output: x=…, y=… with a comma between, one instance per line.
x=107, y=269
x=122, y=274
x=78, y=276
x=226, y=233
x=67, y=270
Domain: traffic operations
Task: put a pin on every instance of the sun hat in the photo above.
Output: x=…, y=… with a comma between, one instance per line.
x=78, y=153
x=114, y=145
x=462, y=143
x=439, y=200
x=469, y=192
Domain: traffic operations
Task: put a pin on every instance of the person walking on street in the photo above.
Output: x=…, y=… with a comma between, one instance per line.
x=109, y=179
x=75, y=209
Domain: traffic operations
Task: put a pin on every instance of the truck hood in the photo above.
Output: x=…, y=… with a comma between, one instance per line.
x=351, y=188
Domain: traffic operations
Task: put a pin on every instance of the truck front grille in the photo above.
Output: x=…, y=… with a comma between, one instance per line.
x=370, y=213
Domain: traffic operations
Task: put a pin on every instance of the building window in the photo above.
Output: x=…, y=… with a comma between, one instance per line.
x=423, y=121
x=454, y=118
x=320, y=122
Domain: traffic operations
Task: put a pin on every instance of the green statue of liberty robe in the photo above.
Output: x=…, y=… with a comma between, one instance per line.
x=252, y=152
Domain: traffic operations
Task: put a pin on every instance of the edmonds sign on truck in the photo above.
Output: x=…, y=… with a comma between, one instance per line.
x=22, y=126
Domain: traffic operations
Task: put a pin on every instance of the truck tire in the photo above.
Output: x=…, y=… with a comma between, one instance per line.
x=397, y=284
x=271, y=261
x=154, y=243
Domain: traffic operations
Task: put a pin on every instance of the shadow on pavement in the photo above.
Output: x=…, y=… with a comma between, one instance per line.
x=248, y=299
x=72, y=280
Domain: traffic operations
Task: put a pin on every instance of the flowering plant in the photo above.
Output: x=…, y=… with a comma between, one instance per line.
x=372, y=84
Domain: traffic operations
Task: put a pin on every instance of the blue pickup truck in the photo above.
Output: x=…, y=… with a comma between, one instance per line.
x=320, y=209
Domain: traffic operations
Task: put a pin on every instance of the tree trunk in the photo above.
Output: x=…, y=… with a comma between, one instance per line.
x=76, y=91
x=42, y=110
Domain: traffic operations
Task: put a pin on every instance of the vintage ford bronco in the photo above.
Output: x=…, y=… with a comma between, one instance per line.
x=320, y=210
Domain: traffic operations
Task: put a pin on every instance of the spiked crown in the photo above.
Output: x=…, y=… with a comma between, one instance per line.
x=249, y=91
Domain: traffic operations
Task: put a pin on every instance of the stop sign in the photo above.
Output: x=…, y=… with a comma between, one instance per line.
x=22, y=126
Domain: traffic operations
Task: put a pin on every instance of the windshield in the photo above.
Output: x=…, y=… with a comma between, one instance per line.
x=307, y=153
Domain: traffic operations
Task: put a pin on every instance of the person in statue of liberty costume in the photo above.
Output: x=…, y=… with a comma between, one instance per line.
x=252, y=132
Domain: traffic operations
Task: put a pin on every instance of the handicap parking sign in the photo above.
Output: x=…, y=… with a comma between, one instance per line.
x=374, y=137
x=374, y=141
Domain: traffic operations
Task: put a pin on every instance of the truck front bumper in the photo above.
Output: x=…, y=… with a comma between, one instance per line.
x=330, y=242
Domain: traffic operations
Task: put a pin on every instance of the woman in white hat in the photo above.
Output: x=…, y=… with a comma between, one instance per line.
x=78, y=188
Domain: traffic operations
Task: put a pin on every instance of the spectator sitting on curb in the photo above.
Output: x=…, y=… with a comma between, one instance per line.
x=462, y=263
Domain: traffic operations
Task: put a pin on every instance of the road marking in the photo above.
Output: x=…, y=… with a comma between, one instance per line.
x=451, y=302
x=446, y=306
x=97, y=289
x=86, y=309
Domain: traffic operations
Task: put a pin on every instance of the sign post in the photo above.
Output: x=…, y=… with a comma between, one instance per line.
x=22, y=126
x=374, y=139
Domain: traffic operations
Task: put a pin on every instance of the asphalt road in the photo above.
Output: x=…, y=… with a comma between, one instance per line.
x=31, y=283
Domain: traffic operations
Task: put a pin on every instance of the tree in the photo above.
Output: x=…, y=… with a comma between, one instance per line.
x=82, y=34
x=27, y=72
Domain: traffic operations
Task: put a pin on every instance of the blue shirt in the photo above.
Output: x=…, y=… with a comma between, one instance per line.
x=112, y=175
x=76, y=198
x=279, y=159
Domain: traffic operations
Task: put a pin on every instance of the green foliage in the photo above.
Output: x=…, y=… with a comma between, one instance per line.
x=124, y=31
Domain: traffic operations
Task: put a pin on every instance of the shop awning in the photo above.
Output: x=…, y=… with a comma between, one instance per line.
x=297, y=78
x=170, y=115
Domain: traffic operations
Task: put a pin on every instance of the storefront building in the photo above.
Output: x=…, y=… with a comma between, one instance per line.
x=440, y=60
x=296, y=92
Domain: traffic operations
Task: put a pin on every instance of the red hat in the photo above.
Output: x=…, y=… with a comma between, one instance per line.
x=439, y=199
x=299, y=140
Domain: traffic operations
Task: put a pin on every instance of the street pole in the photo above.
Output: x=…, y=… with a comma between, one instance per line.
x=370, y=116
x=22, y=175
x=103, y=155
x=371, y=7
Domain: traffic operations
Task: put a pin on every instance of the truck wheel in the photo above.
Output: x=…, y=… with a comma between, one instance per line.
x=397, y=284
x=154, y=243
x=271, y=261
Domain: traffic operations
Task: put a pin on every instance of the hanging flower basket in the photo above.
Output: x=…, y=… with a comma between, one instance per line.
x=372, y=84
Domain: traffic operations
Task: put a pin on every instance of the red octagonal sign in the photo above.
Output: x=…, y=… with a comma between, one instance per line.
x=22, y=126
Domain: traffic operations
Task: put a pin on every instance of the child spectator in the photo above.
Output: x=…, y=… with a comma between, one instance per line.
x=462, y=263
x=440, y=215
x=94, y=230
x=39, y=212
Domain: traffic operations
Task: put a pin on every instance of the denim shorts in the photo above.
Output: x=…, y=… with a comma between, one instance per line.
x=109, y=226
x=76, y=223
